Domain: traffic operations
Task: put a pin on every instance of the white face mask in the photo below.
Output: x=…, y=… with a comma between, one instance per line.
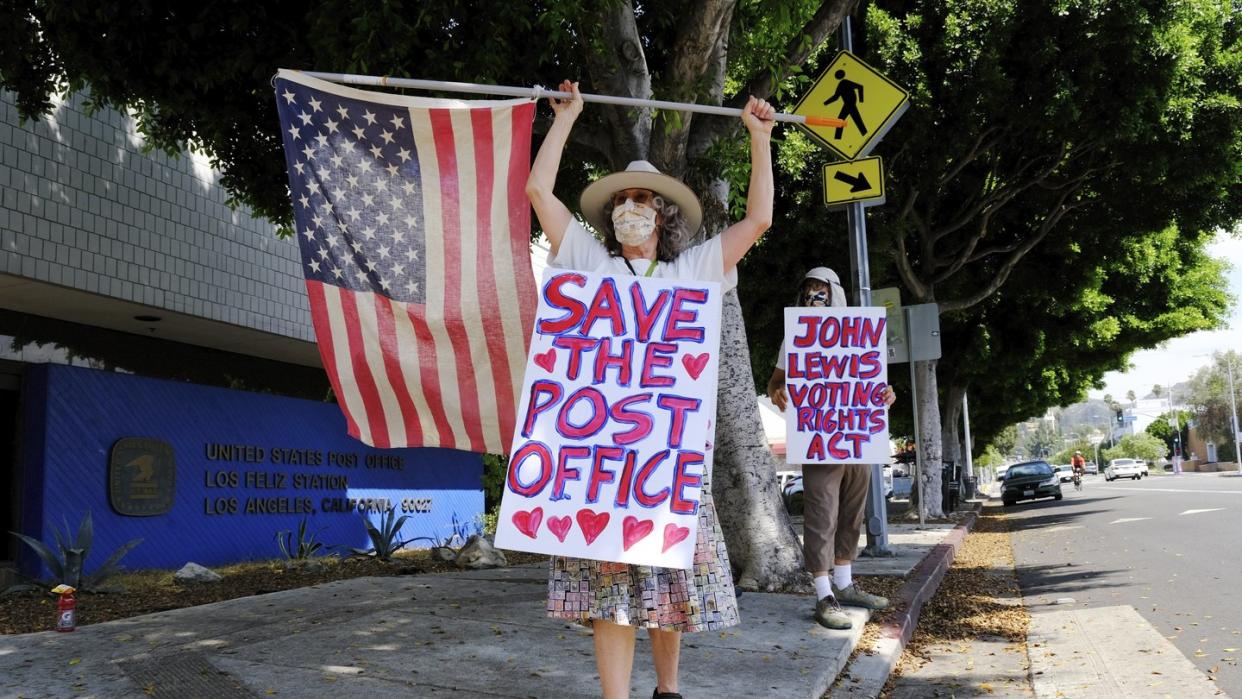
x=634, y=223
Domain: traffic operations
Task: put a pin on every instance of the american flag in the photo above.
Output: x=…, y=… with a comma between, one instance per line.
x=414, y=228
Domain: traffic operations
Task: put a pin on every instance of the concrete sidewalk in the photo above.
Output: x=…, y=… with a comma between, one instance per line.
x=467, y=634
x=452, y=635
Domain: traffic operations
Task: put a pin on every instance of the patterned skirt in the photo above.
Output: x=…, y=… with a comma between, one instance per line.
x=671, y=599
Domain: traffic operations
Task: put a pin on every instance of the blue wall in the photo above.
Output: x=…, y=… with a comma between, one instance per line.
x=72, y=417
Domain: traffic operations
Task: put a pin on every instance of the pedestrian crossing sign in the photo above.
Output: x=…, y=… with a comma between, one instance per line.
x=851, y=90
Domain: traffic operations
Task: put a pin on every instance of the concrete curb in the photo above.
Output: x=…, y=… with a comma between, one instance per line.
x=866, y=675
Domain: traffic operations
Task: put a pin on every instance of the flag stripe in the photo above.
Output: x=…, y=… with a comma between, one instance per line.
x=377, y=347
x=511, y=212
x=328, y=350
x=488, y=350
x=430, y=326
x=472, y=306
x=491, y=128
x=450, y=209
x=348, y=311
x=522, y=118
x=350, y=392
x=390, y=343
x=418, y=378
x=429, y=373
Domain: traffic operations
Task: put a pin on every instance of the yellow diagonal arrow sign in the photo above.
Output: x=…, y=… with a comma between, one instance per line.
x=854, y=181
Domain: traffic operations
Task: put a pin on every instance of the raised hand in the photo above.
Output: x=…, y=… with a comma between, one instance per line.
x=758, y=115
x=571, y=107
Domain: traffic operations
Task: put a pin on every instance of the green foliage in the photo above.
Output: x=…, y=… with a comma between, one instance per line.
x=301, y=548
x=1005, y=440
x=67, y=560
x=489, y=520
x=991, y=458
x=1209, y=398
x=1063, y=456
x=1162, y=430
x=1142, y=446
x=1040, y=443
x=495, y=469
x=385, y=539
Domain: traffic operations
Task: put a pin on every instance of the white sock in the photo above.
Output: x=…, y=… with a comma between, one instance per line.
x=842, y=576
x=823, y=586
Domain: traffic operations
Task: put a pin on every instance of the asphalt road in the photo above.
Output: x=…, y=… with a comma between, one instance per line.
x=1170, y=546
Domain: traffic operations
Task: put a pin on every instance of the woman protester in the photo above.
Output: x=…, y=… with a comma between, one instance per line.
x=647, y=220
x=834, y=495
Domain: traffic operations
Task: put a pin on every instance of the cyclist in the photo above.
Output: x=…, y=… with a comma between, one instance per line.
x=1079, y=464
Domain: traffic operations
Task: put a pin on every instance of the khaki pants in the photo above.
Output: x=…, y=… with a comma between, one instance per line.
x=834, y=500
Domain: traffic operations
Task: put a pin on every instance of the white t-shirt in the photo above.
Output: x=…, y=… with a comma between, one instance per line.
x=581, y=251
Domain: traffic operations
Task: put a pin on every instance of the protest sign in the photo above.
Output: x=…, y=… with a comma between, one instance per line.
x=615, y=420
x=835, y=377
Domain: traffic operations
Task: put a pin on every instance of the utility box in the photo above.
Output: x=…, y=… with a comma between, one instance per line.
x=923, y=331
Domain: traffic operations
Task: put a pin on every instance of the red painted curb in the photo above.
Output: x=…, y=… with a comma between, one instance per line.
x=924, y=580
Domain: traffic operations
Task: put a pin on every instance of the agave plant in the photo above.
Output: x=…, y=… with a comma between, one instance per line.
x=67, y=561
x=385, y=540
x=302, y=548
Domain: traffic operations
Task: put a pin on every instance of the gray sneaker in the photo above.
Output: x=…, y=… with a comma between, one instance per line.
x=830, y=615
x=855, y=596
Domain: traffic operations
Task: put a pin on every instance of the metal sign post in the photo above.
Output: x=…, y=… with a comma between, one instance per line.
x=877, y=508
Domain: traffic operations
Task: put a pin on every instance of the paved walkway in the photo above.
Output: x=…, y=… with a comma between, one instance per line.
x=467, y=634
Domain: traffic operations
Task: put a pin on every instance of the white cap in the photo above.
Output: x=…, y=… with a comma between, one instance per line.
x=824, y=275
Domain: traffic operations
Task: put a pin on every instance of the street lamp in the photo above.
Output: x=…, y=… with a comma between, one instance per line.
x=1233, y=405
x=1177, y=436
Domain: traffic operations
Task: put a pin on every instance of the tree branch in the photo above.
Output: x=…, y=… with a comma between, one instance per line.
x=975, y=150
x=695, y=45
x=618, y=66
x=907, y=274
x=821, y=26
x=1050, y=221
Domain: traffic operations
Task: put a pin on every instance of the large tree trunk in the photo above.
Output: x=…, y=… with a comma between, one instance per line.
x=763, y=547
x=950, y=429
x=930, y=449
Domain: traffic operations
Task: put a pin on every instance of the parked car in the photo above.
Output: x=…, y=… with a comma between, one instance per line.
x=1091, y=468
x=1030, y=480
x=1065, y=472
x=1125, y=468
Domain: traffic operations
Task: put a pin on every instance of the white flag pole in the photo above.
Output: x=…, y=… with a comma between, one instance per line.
x=538, y=92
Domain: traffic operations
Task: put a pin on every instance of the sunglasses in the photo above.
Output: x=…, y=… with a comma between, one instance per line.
x=639, y=196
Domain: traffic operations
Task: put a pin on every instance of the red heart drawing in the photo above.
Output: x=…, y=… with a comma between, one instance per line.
x=547, y=360
x=592, y=524
x=559, y=526
x=634, y=531
x=528, y=522
x=674, y=535
x=694, y=364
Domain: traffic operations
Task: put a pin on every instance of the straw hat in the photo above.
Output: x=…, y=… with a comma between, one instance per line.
x=639, y=174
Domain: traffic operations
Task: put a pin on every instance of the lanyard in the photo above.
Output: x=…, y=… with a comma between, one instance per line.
x=650, y=270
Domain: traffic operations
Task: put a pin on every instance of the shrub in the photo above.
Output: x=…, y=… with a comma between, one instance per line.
x=67, y=561
x=302, y=548
x=385, y=539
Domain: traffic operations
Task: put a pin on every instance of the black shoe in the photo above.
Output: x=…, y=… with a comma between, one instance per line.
x=657, y=694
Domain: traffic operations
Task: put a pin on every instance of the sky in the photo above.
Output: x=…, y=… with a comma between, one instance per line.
x=1177, y=360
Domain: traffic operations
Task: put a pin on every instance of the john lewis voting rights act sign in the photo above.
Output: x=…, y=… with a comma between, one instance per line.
x=835, y=377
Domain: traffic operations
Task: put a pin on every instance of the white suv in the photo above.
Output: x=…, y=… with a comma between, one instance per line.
x=1125, y=468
